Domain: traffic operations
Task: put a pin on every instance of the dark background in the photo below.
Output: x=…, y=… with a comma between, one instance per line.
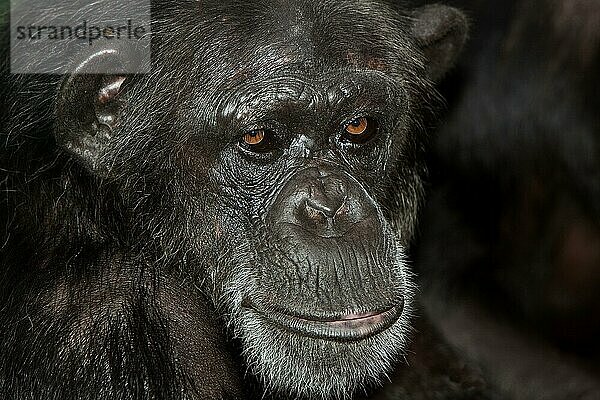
x=509, y=247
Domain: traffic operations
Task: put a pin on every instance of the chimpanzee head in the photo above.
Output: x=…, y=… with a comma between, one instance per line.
x=272, y=161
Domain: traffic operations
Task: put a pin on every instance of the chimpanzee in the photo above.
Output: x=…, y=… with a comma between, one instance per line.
x=513, y=223
x=232, y=223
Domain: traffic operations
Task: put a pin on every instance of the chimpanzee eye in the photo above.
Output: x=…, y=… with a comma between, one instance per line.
x=254, y=137
x=360, y=130
x=258, y=140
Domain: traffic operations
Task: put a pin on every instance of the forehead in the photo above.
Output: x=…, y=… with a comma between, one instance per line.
x=266, y=55
x=263, y=36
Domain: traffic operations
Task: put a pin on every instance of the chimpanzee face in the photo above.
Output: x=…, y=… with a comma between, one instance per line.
x=318, y=284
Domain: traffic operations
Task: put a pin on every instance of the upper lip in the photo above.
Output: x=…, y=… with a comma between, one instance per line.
x=326, y=234
x=342, y=327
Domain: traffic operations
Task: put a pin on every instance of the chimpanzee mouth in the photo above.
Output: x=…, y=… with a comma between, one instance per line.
x=346, y=327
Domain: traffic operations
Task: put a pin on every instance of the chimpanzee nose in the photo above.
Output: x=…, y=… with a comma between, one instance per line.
x=318, y=207
x=325, y=208
x=324, y=202
x=321, y=211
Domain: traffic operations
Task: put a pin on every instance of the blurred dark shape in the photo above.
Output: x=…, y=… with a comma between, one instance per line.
x=512, y=226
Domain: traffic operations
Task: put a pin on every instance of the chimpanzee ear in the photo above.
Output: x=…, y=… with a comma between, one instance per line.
x=88, y=110
x=441, y=32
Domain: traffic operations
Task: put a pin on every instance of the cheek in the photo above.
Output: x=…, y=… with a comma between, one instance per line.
x=246, y=176
x=223, y=257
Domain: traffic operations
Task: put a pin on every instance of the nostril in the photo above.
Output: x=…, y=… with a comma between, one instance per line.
x=343, y=209
x=324, y=205
x=317, y=211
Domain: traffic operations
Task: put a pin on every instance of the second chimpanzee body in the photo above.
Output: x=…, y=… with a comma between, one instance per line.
x=510, y=245
x=260, y=184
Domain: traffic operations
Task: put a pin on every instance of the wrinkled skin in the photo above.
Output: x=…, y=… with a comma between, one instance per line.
x=167, y=231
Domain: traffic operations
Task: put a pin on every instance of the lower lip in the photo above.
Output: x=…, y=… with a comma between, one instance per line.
x=349, y=328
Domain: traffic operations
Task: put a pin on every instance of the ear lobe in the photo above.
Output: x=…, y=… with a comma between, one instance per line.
x=88, y=112
x=441, y=32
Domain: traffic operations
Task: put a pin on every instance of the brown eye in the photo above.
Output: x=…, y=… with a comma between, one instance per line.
x=357, y=126
x=259, y=141
x=360, y=130
x=255, y=137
